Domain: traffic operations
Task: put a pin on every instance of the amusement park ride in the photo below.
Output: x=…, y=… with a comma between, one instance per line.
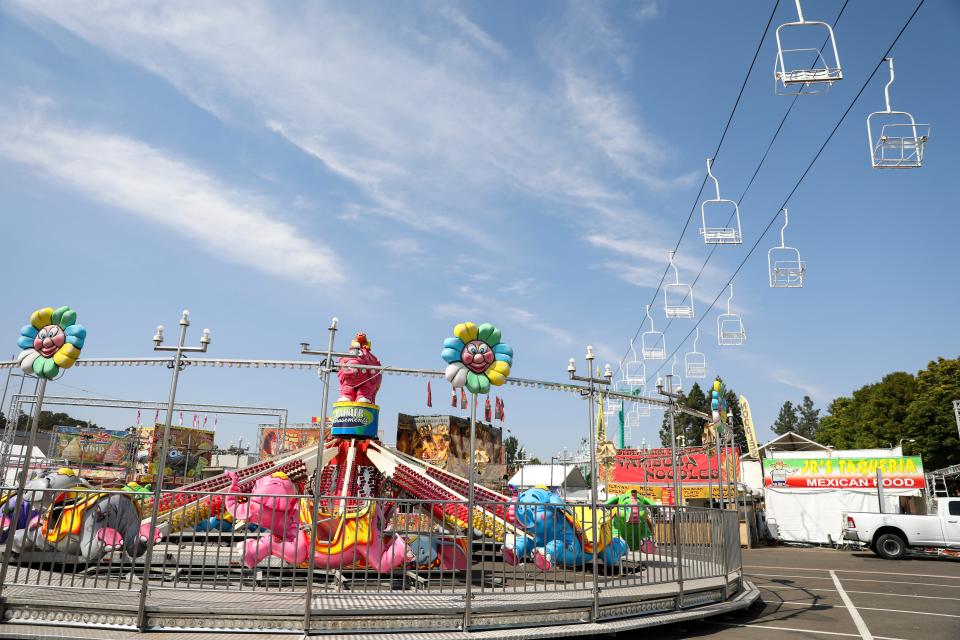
x=355, y=479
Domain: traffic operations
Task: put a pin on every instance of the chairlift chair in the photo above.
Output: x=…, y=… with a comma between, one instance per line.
x=784, y=265
x=614, y=404
x=792, y=73
x=677, y=380
x=719, y=207
x=730, y=331
x=623, y=386
x=641, y=408
x=635, y=372
x=901, y=141
x=694, y=362
x=677, y=297
x=653, y=344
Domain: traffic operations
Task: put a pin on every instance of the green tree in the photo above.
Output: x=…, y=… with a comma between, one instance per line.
x=535, y=460
x=511, y=452
x=787, y=420
x=690, y=427
x=808, y=418
x=930, y=419
x=735, y=420
x=49, y=420
x=873, y=417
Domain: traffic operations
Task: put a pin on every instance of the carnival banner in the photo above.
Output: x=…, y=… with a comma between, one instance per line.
x=444, y=441
x=189, y=452
x=633, y=466
x=80, y=445
x=748, y=428
x=294, y=437
x=843, y=473
x=662, y=494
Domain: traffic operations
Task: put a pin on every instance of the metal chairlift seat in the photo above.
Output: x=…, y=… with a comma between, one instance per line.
x=900, y=141
x=721, y=232
x=626, y=387
x=613, y=404
x=677, y=297
x=694, y=362
x=790, y=77
x=784, y=265
x=730, y=331
x=677, y=380
x=642, y=408
x=635, y=372
x=653, y=345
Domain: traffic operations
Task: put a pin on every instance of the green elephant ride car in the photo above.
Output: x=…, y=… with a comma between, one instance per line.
x=631, y=518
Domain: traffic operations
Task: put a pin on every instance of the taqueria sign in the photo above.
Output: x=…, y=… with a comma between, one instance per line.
x=843, y=473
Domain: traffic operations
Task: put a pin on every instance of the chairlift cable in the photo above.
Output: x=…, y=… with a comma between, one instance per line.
x=756, y=171
x=716, y=152
x=799, y=180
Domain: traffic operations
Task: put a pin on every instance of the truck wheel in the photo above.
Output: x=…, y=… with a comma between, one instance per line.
x=891, y=546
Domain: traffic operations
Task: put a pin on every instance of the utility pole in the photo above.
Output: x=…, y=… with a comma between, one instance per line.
x=677, y=521
x=178, y=363
x=594, y=385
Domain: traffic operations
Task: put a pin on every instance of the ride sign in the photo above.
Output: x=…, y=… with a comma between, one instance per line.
x=634, y=466
x=843, y=473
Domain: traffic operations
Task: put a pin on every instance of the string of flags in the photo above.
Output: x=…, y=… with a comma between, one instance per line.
x=196, y=419
x=490, y=412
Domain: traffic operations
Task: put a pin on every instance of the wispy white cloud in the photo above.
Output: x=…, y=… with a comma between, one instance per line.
x=523, y=317
x=473, y=31
x=605, y=118
x=646, y=10
x=642, y=262
x=405, y=246
x=796, y=381
x=134, y=177
x=428, y=130
x=521, y=288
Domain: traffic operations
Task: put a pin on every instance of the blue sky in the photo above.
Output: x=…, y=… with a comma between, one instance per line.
x=407, y=167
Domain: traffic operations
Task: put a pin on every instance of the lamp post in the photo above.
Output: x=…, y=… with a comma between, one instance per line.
x=902, y=440
x=326, y=368
x=673, y=397
x=593, y=385
x=177, y=364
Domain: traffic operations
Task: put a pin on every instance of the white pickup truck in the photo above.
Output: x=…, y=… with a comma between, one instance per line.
x=891, y=535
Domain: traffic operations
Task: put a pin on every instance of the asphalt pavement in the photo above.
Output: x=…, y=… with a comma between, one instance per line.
x=827, y=594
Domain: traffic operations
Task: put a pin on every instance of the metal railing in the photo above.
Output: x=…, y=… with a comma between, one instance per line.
x=79, y=542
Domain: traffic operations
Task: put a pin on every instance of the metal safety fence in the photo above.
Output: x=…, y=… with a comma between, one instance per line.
x=85, y=543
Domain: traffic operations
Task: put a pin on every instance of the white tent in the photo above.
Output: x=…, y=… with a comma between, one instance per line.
x=552, y=476
x=815, y=514
x=17, y=451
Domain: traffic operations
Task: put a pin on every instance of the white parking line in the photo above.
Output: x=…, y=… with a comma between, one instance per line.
x=817, y=605
x=807, y=632
x=882, y=573
x=852, y=610
x=919, y=584
x=870, y=593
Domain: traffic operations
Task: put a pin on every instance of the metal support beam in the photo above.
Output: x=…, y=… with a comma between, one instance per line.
x=314, y=365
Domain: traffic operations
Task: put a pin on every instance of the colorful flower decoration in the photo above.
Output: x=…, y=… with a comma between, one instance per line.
x=52, y=341
x=476, y=358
